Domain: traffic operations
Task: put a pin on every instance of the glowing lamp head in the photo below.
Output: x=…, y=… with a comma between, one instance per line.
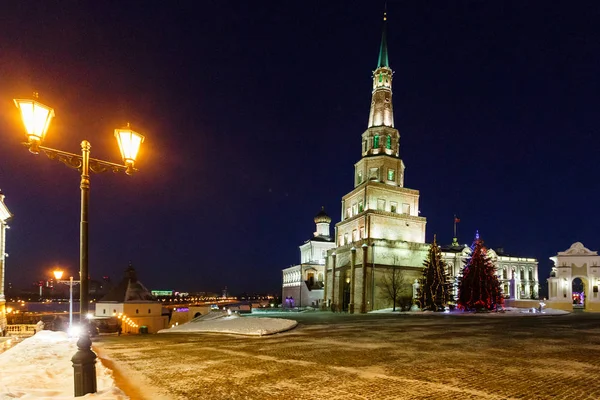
x=36, y=118
x=58, y=274
x=129, y=144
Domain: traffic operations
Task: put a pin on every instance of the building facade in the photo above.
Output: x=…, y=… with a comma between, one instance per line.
x=381, y=232
x=132, y=300
x=518, y=276
x=575, y=263
x=303, y=283
x=5, y=215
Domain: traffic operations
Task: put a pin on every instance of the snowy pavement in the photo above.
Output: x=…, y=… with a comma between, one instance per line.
x=374, y=356
x=40, y=367
x=329, y=356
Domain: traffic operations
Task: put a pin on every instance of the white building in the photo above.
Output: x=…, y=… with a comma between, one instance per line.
x=381, y=228
x=131, y=299
x=518, y=275
x=575, y=262
x=5, y=215
x=303, y=283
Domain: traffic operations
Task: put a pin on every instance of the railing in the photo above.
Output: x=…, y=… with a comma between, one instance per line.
x=24, y=329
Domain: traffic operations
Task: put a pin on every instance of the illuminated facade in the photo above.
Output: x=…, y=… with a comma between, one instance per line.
x=518, y=276
x=569, y=265
x=381, y=227
x=5, y=215
x=303, y=283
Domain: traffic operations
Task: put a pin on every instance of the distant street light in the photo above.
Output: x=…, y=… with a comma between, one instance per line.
x=58, y=275
x=36, y=118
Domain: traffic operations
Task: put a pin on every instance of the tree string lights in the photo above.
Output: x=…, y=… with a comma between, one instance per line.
x=479, y=287
x=434, y=288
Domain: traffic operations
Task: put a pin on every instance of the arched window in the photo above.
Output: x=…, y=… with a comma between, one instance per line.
x=137, y=311
x=149, y=311
x=376, y=142
x=388, y=142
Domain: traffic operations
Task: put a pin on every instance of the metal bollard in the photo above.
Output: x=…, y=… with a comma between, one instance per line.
x=84, y=366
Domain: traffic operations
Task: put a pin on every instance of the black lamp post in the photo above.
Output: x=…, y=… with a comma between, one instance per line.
x=37, y=118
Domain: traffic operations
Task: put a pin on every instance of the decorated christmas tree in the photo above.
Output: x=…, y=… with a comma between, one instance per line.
x=479, y=287
x=434, y=288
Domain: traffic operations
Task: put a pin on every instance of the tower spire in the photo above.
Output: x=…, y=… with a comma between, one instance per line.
x=383, y=53
x=382, y=113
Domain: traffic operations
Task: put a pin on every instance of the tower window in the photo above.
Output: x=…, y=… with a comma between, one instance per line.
x=364, y=146
x=391, y=174
x=346, y=241
x=388, y=142
x=359, y=177
x=360, y=206
x=354, y=209
x=393, y=207
x=405, y=208
x=381, y=204
x=355, y=235
x=376, y=142
x=362, y=232
x=380, y=77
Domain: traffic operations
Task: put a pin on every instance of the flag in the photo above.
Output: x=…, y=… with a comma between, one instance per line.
x=456, y=220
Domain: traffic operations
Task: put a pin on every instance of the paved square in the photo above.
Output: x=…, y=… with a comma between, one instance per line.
x=338, y=356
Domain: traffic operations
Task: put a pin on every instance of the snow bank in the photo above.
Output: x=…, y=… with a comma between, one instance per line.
x=40, y=367
x=508, y=311
x=223, y=323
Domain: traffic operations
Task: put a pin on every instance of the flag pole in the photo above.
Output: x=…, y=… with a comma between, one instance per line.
x=454, y=225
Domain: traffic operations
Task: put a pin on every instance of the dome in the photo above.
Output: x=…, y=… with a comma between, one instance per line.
x=322, y=217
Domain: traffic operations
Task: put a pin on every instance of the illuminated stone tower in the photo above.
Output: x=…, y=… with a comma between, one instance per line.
x=380, y=229
x=380, y=206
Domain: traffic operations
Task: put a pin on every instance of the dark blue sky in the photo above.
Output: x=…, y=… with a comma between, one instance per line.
x=253, y=113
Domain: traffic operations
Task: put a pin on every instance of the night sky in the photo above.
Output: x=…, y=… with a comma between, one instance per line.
x=253, y=114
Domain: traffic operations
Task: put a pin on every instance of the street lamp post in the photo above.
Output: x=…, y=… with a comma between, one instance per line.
x=36, y=118
x=58, y=274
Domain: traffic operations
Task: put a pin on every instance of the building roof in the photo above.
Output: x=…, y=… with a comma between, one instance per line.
x=320, y=239
x=322, y=217
x=129, y=290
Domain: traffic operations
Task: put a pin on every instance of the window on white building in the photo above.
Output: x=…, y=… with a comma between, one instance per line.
x=346, y=241
x=355, y=235
x=359, y=177
x=348, y=212
x=393, y=206
x=360, y=206
x=405, y=208
x=354, y=209
x=381, y=204
x=362, y=232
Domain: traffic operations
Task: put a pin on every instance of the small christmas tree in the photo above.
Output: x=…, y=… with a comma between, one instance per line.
x=479, y=287
x=434, y=288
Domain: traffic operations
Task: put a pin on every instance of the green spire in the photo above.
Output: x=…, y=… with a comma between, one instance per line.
x=383, y=53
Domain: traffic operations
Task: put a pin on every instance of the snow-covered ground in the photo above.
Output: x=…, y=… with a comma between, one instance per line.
x=217, y=322
x=508, y=311
x=40, y=367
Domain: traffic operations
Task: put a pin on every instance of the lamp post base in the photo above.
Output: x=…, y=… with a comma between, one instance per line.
x=84, y=366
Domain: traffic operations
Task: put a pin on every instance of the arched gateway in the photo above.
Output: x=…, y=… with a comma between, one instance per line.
x=576, y=263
